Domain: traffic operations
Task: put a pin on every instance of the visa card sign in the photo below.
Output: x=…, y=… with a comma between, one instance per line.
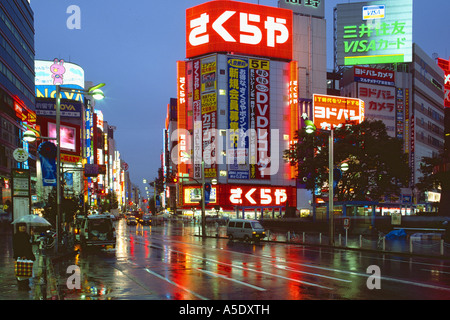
x=375, y=32
x=374, y=12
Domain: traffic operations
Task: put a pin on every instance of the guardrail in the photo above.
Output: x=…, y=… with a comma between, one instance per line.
x=432, y=246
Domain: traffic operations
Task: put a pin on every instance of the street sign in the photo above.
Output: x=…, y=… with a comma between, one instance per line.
x=346, y=223
x=396, y=219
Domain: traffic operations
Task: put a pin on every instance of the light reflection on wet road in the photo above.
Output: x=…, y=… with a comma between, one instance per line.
x=169, y=262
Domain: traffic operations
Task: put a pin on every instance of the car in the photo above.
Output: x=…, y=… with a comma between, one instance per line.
x=131, y=221
x=245, y=229
x=146, y=220
x=98, y=230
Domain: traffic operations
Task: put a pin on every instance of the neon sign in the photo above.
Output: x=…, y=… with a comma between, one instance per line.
x=250, y=29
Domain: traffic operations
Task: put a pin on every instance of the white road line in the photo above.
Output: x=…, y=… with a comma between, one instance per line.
x=309, y=273
x=231, y=279
x=245, y=268
x=176, y=284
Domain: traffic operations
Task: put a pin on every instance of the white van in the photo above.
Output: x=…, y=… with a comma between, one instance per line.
x=245, y=229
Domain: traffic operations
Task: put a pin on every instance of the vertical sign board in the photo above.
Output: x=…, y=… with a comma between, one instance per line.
x=374, y=32
x=197, y=118
x=209, y=114
x=259, y=119
x=399, y=115
x=21, y=192
x=238, y=118
x=445, y=66
x=293, y=105
x=181, y=117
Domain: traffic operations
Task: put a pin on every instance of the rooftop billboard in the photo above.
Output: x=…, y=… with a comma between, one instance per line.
x=374, y=32
x=240, y=28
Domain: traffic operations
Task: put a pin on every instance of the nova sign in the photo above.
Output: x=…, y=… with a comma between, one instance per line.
x=241, y=28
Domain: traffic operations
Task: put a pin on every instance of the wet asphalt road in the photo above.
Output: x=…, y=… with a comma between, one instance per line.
x=168, y=262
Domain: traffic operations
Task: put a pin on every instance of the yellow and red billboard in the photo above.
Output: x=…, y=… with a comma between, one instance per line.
x=333, y=111
x=243, y=28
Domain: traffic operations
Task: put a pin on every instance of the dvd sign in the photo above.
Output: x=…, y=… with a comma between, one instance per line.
x=224, y=26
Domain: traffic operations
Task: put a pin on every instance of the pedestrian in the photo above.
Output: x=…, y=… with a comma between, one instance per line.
x=22, y=249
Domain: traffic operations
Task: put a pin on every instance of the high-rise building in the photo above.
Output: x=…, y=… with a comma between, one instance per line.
x=17, y=102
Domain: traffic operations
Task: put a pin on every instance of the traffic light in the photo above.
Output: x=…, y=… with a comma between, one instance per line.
x=207, y=192
x=175, y=179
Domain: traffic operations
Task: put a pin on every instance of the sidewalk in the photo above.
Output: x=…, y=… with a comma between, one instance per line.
x=43, y=283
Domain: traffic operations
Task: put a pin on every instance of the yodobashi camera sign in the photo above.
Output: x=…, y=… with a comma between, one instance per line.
x=244, y=28
x=374, y=32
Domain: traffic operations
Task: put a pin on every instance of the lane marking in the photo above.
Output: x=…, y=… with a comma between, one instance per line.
x=176, y=284
x=231, y=279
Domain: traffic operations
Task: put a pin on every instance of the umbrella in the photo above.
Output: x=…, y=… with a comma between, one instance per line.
x=32, y=220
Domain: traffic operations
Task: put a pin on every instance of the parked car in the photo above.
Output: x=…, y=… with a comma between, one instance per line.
x=98, y=230
x=245, y=229
x=146, y=220
x=131, y=221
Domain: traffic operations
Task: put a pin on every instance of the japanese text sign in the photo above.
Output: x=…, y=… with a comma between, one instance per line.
x=331, y=111
x=445, y=65
x=244, y=28
x=374, y=32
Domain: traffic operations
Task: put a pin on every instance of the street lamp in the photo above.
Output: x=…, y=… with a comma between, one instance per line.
x=311, y=128
x=97, y=94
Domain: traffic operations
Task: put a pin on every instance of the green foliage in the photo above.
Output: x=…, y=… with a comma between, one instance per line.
x=377, y=165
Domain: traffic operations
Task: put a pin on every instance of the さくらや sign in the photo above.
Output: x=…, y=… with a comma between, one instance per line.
x=229, y=26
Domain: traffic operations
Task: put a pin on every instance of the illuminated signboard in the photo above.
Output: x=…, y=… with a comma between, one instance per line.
x=445, y=65
x=238, y=118
x=246, y=195
x=50, y=73
x=244, y=28
x=58, y=72
x=193, y=195
x=380, y=104
x=331, y=111
x=208, y=84
x=374, y=32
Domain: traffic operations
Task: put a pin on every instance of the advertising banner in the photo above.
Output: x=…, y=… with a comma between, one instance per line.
x=218, y=26
x=259, y=119
x=183, y=140
x=197, y=118
x=399, y=115
x=69, y=109
x=47, y=156
x=238, y=118
x=332, y=111
x=247, y=195
x=209, y=115
x=374, y=76
x=445, y=66
x=374, y=32
x=380, y=104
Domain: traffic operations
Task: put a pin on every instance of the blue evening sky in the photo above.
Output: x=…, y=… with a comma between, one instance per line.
x=133, y=46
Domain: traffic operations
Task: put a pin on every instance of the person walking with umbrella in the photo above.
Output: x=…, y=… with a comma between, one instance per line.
x=22, y=249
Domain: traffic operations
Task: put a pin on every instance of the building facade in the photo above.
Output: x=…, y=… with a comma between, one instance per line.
x=17, y=101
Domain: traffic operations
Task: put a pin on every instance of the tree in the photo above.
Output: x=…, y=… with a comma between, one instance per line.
x=436, y=177
x=377, y=165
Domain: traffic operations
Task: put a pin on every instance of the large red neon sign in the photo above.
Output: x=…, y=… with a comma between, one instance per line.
x=229, y=26
x=445, y=65
x=251, y=195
